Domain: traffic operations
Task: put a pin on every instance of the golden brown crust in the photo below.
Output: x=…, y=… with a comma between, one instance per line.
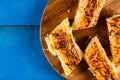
x=114, y=37
x=87, y=14
x=66, y=49
x=99, y=64
x=63, y=42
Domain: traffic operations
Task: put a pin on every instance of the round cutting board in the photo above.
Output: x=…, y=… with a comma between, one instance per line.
x=55, y=12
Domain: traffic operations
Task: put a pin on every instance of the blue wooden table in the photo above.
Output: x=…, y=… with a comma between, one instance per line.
x=21, y=55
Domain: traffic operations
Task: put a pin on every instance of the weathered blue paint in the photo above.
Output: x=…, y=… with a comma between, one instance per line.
x=21, y=12
x=21, y=55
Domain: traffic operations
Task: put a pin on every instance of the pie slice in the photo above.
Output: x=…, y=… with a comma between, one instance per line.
x=113, y=24
x=87, y=14
x=98, y=61
x=61, y=43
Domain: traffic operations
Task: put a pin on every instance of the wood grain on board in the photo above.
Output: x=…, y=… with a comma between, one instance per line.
x=55, y=12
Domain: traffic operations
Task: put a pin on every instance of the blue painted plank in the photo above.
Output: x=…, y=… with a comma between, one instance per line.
x=21, y=12
x=21, y=55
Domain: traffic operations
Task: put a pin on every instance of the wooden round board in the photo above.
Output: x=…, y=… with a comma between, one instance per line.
x=55, y=12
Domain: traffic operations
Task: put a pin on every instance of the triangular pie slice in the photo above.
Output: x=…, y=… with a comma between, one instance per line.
x=98, y=61
x=61, y=43
x=87, y=13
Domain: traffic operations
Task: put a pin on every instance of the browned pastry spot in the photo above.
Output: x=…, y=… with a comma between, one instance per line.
x=89, y=11
x=114, y=37
x=98, y=62
x=63, y=42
